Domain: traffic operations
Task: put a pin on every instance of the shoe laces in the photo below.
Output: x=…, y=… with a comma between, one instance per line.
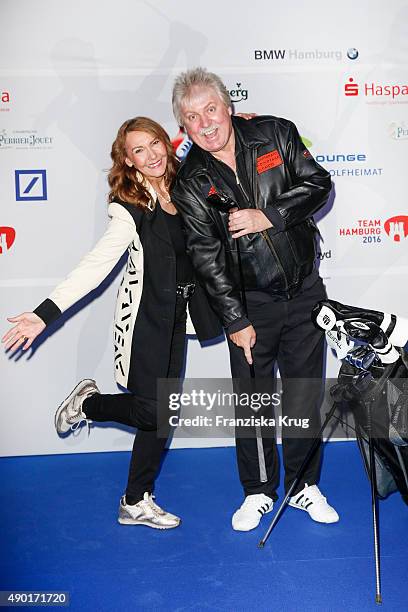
x=258, y=501
x=76, y=425
x=310, y=494
x=77, y=417
x=149, y=498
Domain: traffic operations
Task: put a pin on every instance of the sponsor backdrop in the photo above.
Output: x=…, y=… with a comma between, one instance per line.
x=70, y=74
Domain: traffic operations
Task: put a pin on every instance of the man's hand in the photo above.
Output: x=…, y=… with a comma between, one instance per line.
x=245, y=339
x=247, y=221
x=29, y=326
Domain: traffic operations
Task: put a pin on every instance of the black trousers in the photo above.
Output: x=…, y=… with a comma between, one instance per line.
x=141, y=413
x=286, y=336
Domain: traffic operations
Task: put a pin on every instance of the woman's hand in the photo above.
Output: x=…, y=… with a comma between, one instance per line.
x=246, y=115
x=29, y=326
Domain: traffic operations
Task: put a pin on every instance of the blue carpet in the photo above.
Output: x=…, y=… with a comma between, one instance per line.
x=59, y=532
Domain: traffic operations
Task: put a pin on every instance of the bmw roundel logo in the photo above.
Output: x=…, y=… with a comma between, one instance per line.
x=352, y=53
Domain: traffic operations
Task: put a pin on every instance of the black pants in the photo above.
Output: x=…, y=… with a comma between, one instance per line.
x=140, y=412
x=286, y=336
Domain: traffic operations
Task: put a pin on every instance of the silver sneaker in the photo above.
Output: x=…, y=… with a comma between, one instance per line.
x=69, y=415
x=146, y=512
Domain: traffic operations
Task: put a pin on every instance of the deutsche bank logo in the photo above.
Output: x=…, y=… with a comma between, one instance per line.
x=31, y=185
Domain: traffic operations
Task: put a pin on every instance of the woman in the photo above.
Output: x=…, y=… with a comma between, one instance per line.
x=151, y=309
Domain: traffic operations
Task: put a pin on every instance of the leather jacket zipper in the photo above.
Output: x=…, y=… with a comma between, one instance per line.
x=241, y=188
x=264, y=233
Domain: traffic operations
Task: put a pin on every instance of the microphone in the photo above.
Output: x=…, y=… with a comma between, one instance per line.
x=221, y=201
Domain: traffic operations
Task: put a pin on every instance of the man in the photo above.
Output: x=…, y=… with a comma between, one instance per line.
x=262, y=168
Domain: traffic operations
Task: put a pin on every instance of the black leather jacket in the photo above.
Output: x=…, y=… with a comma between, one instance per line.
x=284, y=181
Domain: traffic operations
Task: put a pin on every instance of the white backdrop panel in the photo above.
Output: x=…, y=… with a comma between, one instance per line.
x=70, y=74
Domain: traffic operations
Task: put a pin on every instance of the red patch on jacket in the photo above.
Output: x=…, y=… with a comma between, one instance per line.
x=212, y=191
x=268, y=161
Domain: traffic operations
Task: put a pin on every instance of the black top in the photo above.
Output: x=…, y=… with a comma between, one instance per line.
x=184, y=268
x=243, y=194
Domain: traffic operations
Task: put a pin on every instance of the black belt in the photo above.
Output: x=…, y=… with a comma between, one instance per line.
x=186, y=290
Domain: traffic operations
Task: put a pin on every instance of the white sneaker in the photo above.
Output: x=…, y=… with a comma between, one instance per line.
x=312, y=501
x=146, y=512
x=248, y=516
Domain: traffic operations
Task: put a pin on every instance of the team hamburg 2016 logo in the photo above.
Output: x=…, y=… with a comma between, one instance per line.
x=370, y=231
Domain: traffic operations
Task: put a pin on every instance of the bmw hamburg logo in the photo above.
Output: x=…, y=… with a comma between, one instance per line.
x=352, y=53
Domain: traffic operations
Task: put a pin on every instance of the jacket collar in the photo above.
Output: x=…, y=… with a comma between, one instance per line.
x=250, y=135
x=199, y=161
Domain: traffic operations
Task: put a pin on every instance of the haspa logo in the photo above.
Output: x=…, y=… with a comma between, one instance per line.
x=181, y=145
x=397, y=227
x=4, y=101
x=7, y=237
x=238, y=94
x=377, y=91
x=351, y=88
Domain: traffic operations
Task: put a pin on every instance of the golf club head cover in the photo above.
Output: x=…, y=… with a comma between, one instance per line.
x=362, y=357
x=382, y=331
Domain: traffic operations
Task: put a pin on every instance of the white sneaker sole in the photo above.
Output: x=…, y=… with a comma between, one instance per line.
x=66, y=401
x=124, y=521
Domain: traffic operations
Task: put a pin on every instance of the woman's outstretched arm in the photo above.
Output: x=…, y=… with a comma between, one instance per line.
x=89, y=273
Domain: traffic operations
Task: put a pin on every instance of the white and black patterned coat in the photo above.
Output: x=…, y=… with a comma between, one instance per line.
x=145, y=306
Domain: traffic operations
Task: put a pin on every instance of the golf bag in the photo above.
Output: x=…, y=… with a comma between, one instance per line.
x=369, y=343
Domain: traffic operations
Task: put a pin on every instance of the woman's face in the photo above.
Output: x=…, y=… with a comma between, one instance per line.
x=146, y=153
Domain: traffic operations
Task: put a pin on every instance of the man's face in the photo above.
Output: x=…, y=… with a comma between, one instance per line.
x=207, y=119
